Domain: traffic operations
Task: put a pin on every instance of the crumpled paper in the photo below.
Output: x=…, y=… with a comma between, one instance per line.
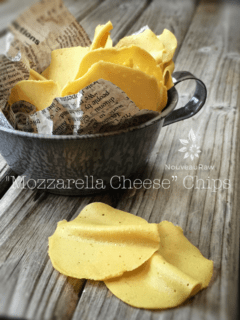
x=100, y=107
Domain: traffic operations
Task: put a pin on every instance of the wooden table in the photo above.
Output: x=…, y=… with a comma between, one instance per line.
x=208, y=36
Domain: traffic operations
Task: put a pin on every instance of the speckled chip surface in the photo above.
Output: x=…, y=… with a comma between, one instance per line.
x=173, y=274
x=133, y=57
x=38, y=93
x=141, y=88
x=102, y=242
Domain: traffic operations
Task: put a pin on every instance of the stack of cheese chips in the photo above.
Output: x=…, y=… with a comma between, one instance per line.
x=141, y=65
x=146, y=265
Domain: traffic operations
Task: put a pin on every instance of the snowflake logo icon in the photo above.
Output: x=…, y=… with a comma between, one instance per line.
x=190, y=148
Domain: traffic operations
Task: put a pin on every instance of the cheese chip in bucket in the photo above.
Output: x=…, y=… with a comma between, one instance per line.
x=64, y=64
x=38, y=93
x=133, y=57
x=34, y=75
x=102, y=36
x=169, y=41
x=141, y=88
x=146, y=40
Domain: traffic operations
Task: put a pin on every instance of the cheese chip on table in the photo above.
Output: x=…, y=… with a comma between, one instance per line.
x=38, y=93
x=179, y=251
x=141, y=88
x=102, y=243
x=173, y=274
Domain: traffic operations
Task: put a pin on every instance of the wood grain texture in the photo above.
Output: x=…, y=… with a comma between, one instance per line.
x=30, y=287
x=38, y=289
x=80, y=9
x=122, y=14
x=171, y=15
x=5, y=173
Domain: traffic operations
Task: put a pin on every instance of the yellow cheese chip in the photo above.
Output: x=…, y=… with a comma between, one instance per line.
x=141, y=88
x=146, y=40
x=34, y=75
x=167, y=74
x=65, y=64
x=169, y=42
x=177, y=250
x=102, y=243
x=133, y=56
x=173, y=274
x=101, y=36
x=154, y=285
x=109, y=42
x=38, y=93
x=161, y=47
x=45, y=73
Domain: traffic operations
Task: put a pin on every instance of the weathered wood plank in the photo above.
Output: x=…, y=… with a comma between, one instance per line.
x=122, y=14
x=30, y=287
x=169, y=15
x=5, y=171
x=24, y=247
x=80, y=9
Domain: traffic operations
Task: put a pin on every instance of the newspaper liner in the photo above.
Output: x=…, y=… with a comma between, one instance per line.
x=100, y=107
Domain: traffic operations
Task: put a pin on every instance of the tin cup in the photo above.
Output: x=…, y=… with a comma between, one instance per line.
x=92, y=163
